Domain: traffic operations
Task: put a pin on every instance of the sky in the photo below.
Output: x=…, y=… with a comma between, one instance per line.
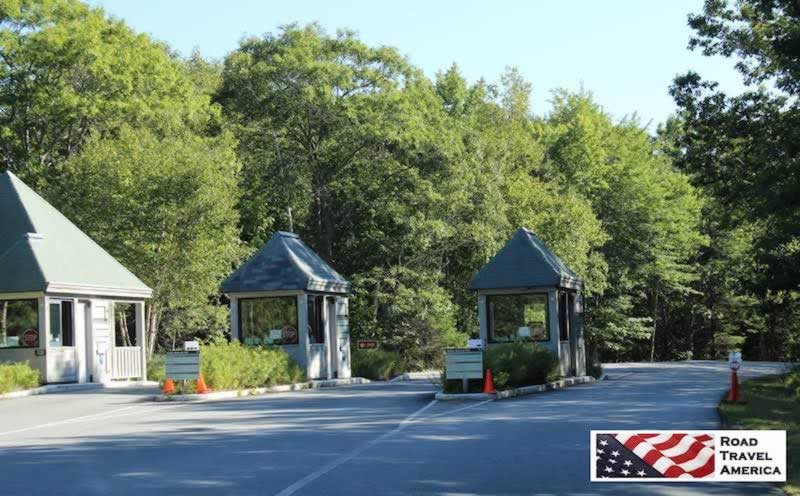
x=625, y=52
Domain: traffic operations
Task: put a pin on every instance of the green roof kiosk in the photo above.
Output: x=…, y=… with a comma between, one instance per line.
x=286, y=295
x=527, y=294
x=61, y=294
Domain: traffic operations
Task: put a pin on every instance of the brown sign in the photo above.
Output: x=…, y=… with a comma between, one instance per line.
x=367, y=344
x=30, y=338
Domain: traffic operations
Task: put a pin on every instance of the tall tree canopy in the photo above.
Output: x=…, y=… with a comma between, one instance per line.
x=743, y=151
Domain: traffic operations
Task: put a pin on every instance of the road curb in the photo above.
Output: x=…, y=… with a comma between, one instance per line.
x=283, y=388
x=425, y=374
x=60, y=388
x=521, y=391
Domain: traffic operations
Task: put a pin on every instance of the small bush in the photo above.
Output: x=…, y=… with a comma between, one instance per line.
x=157, y=368
x=793, y=381
x=377, y=365
x=17, y=376
x=232, y=366
x=594, y=369
x=520, y=364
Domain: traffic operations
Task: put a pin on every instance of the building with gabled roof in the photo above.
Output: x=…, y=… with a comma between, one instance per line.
x=58, y=291
x=526, y=293
x=286, y=295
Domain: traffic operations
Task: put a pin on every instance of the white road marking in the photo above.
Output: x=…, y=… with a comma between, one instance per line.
x=354, y=453
x=83, y=418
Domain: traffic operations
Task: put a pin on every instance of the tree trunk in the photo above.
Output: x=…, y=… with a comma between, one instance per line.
x=653, y=335
x=151, y=327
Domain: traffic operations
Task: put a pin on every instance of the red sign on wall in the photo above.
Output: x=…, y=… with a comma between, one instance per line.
x=367, y=344
x=30, y=338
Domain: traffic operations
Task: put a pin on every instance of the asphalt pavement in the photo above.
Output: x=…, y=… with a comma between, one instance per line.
x=381, y=438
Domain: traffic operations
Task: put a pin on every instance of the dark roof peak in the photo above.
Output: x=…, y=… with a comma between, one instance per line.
x=525, y=261
x=285, y=263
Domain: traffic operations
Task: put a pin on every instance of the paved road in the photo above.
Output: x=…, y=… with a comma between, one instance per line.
x=371, y=439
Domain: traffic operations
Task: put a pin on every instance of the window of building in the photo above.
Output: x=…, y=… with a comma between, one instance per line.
x=19, y=323
x=316, y=321
x=563, y=316
x=271, y=320
x=124, y=324
x=518, y=317
x=61, y=324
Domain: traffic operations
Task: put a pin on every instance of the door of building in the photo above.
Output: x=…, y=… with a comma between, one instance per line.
x=332, y=339
x=62, y=357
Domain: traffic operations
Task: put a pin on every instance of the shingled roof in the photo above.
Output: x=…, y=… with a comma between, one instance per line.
x=41, y=250
x=525, y=262
x=285, y=263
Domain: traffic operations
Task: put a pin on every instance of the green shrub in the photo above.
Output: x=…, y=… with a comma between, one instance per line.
x=232, y=366
x=520, y=364
x=377, y=365
x=17, y=376
x=594, y=369
x=793, y=381
x=157, y=368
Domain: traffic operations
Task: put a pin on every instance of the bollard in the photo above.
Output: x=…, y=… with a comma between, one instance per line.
x=734, y=361
x=733, y=396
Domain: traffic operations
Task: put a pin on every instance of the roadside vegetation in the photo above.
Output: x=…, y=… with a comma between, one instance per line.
x=378, y=365
x=513, y=365
x=17, y=376
x=772, y=402
x=685, y=236
x=232, y=367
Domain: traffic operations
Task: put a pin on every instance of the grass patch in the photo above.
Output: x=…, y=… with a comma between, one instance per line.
x=377, y=365
x=17, y=376
x=772, y=402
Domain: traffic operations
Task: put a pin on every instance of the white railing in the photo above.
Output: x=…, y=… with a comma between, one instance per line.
x=127, y=362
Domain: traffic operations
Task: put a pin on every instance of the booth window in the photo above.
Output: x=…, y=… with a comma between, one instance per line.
x=518, y=318
x=563, y=316
x=19, y=323
x=316, y=323
x=271, y=320
x=61, y=324
x=124, y=324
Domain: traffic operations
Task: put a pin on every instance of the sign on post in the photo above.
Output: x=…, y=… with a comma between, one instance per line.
x=367, y=344
x=463, y=364
x=183, y=366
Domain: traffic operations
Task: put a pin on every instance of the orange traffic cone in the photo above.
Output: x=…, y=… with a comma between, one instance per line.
x=488, y=383
x=169, y=386
x=201, y=384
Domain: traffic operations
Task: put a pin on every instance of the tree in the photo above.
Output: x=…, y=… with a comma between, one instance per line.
x=67, y=71
x=742, y=150
x=650, y=213
x=165, y=208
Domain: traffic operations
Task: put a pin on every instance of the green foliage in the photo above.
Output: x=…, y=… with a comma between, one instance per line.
x=742, y=151
x=767, y=403
x=157, y=368
x=232, y=366
x=17, y=376
x=68, y=71
x=594, y=369
x=165, y=208
x=378, y=365
x=520, y=364
x=408, y=313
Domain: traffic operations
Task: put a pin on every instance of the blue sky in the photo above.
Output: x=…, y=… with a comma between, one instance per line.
x=625, y=52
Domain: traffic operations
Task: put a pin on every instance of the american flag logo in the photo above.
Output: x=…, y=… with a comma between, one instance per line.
x=653, y=455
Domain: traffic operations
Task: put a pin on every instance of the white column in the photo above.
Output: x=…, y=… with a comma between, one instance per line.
x=44, y=333
x=483, y=323
x=141, y=341
x=234, y=318
x=303, y=341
